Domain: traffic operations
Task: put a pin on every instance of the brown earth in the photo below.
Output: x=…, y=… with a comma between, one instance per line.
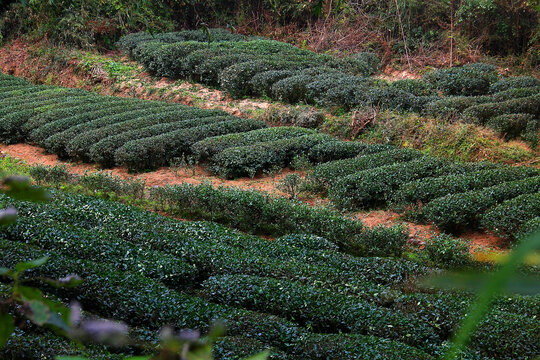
x=418, y=233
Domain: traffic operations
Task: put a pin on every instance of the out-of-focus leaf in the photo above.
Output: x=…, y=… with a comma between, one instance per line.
x=489, y=291
x=20, y=267
x=5, y=271
x=8, y=216
x=7, y=326
x=518, y=284
x=40, y=312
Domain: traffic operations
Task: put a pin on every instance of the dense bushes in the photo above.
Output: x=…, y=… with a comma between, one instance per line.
x=252, y=159
x=326, y=174
x=319, y=309
x=328, y=289
x=514, y=83
x=212, y=146
x=507, y=218
x=423, y=190
x=468, y=80
x=257, y=212
x=457, y=212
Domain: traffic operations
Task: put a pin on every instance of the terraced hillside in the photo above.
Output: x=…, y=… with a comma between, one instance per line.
x=297, y=295
x=473, y=93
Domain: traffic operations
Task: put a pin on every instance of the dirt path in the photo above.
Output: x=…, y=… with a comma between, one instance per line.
x=418, y=233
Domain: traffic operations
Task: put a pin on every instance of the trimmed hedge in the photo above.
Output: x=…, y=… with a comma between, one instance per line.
x=252, y=159
x=469, y=80
x=142, y=301
x=155, y=151
x=373, y=187
x=514, y=83
x=453, y=106
x=338, y=150
x=59, y=142
x=423, y=190
x=327, y=174
x=508, y=218
x=73, y=241
x=355, y=347
x=209, y=147
x=257, y=212
x=458, y=212
x=481, y=114
x=103, y=151
x=319, y=309
x=512, y=126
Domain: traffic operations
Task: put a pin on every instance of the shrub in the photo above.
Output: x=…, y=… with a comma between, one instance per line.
x=79, y=146
x=530, y=227
x=47, y=124
x=413, y=86
x=252, y=159
x=261, y=84
x=297, y=116
x=108, y=183
x=423, y=190
x=292, y=89
x=512, y=126
x=307, y=241
x=256, y=212
x=236, y=79
x=515, y=94
x=59, y=143
x=447, y=252
x=514, y=83
x=325, y=175
x=57, y=174
x=468, y=80
x=155, y=151
x=353, y=346
x=374, y=187
x=142, y=301
x=457, y=212
x=290, y=185
x=120, y=255
x=507, y=218
x=103, y=151
x=368, y=63
x=209, y=72
x=319, y=309
x=209, y=147
x=241, y=347
x=481, y=114
x=453, y=106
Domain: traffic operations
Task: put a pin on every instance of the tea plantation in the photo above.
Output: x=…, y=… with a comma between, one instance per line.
x=248, y=66
x=297, y=295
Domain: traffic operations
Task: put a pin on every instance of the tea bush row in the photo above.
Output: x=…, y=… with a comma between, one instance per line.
x=509, y=217
x=259, y=213
x=424, y=190
x=461, y=211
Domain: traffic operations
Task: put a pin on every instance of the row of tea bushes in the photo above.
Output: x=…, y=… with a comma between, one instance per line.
x=260, y=213
x=309, y=267
x=461, y=211
x=77, y=124
x=139, y=134
x=452, y=195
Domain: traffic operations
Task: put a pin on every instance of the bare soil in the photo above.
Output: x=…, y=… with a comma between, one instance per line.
x=418, y=233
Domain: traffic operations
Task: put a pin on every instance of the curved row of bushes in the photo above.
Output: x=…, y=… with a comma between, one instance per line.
x=240, y=265
x=139, y=134
x=452, y=195
x=251, y=67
